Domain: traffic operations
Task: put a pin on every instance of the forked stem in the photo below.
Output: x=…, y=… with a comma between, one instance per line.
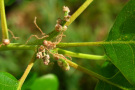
x=24, y=76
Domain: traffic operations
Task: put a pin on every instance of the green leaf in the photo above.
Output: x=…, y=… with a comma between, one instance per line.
x=7, y=81
x=121, y=42
x=47, y=82
x=118, y=79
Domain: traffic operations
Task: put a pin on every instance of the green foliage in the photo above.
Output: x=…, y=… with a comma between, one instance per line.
x=7, y=81
x=122, y=54
x=9, y=2
x=120, y=49
x=46, y=82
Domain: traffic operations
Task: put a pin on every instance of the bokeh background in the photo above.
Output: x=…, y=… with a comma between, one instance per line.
x=92, y=25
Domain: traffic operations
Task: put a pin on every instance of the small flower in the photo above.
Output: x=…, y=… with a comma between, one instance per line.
x=39, y=55
x=66, y=9
x=58, y=27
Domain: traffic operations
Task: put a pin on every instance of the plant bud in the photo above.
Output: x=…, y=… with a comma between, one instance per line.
x=64, y=28
x=58, y=27
x=6, y=41
x=41, y=48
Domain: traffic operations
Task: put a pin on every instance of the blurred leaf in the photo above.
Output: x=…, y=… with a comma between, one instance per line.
x=46, y=82
x=7, y=81
x=121, y=47
x=29, y=82
x=9, y=2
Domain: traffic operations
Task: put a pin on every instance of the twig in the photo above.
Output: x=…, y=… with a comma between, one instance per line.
x=24, y=76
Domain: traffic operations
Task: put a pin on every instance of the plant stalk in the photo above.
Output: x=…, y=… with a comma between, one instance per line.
x=3, y=21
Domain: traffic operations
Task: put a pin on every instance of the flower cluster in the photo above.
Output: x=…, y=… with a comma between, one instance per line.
x=59, y=25
x=44, y=50
x=42, y=54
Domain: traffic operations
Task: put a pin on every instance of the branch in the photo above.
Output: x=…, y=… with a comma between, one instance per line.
x=77, y=44
x=16, y=46
x=54, y=33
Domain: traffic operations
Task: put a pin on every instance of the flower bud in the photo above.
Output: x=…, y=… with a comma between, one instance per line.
x=6, y=41
x=58, y=27
x=64, y=28
x=67, y=18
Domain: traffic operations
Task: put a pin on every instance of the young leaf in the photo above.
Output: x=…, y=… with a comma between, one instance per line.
x=47, y=82
x=121, y=49
x=7, y=81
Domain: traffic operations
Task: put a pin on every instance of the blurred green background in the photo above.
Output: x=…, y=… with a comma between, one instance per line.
x=92, y=25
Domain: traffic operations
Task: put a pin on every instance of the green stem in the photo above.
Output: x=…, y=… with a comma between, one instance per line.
x=3, y=21
x=24, y=76
x=16, y=46
x=81, y=55
x=91, y=73
x=80, y=44
x=93, y=43
x=79, y=11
